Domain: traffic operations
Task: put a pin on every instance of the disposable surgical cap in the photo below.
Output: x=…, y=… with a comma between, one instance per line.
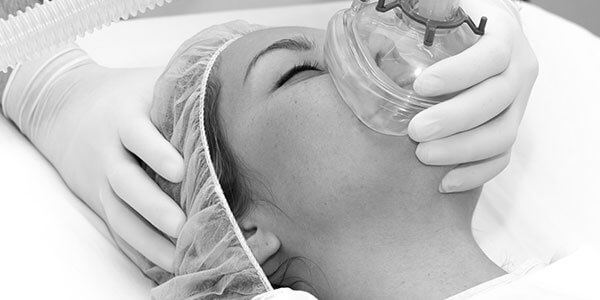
x=212, y=258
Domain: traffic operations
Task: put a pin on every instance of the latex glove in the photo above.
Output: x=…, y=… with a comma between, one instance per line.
x=285, y=294
x=476, y=129
x=91, y=122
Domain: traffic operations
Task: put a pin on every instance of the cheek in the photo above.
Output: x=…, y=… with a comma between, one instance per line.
x=319, y=161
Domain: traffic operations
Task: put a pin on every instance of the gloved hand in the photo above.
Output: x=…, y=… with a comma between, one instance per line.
x=476, y=129
x=91, y=122
x=285, y=294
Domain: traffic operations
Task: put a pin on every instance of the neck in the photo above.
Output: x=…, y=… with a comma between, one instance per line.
x=443, y=259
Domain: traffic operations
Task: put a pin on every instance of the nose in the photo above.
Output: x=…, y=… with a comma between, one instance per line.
x=402, y=68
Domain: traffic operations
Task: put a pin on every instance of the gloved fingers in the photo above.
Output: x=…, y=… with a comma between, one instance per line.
x=494, y=10
x=472, y=175
x=137, y=189
x=490, y=56
x=136, y=232
x=488, y=140
x=465, y=111
x=142, y=138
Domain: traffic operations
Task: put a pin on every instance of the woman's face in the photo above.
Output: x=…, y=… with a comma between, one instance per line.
x=341, y=196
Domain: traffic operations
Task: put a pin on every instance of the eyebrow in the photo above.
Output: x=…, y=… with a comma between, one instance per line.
x=299, y=43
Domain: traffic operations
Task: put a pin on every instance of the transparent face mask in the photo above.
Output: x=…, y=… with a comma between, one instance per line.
x=375, y=51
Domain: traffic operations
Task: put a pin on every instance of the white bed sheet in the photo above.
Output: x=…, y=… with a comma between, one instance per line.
x=56, y=248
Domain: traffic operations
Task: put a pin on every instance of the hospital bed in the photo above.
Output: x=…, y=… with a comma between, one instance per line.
x=542, y=206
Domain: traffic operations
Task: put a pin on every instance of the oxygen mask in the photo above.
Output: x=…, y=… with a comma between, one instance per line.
x=375, y=51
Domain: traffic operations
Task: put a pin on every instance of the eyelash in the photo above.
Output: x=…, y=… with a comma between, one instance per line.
x=305, y=66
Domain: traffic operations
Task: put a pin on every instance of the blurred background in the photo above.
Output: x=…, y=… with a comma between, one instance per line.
x=583, y=12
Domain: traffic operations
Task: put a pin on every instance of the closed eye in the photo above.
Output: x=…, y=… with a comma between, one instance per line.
x=295, y=72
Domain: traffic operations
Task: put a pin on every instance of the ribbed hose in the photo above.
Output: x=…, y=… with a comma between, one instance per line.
x=46, y=26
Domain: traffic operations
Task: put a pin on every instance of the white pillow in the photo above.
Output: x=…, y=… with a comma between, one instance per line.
x=547, y=200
